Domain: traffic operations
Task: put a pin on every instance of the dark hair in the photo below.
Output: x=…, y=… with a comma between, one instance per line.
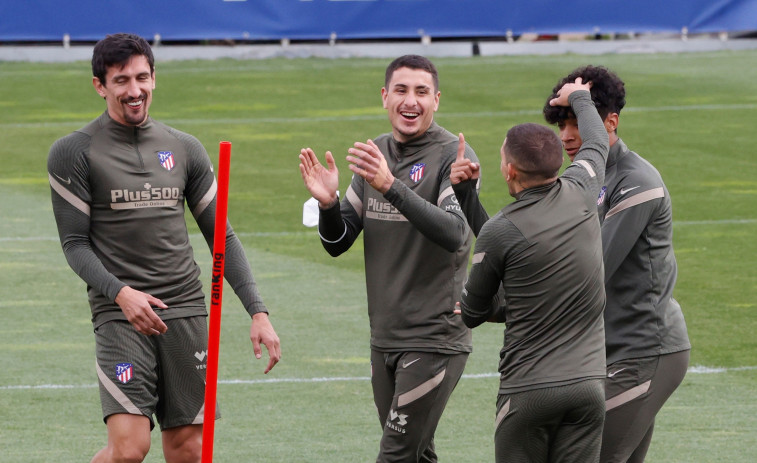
x=607, y=91
x=117, y=50
x=412, y=62
x=536, y=150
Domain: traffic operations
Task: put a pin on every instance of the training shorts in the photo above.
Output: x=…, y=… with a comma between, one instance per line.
x=162, y=375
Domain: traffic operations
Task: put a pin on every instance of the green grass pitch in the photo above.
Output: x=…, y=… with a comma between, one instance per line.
x=692, y=115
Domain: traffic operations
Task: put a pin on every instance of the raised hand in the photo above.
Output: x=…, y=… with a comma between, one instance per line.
x=368, y=161
x=567, y=89
x=463, y=169
x=321, y=182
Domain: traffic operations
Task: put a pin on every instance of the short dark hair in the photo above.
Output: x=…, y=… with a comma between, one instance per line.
x=412, y=62
x=117, y=50
x=535, y=149
x=608, y=93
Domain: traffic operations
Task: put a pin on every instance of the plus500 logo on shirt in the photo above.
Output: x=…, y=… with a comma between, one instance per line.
x=148, y=197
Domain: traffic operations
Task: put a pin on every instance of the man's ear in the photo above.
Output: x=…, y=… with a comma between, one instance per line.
x=512, y=172
x=99, y=87
x=611, y=122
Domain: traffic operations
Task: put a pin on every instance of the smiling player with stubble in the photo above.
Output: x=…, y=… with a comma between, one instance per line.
x=416, y=244
x=119, y=187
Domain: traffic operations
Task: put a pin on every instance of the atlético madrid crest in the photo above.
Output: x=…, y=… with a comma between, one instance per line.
x=601, y=197
x=166, y=159
x=124, y=372
x=416, y=173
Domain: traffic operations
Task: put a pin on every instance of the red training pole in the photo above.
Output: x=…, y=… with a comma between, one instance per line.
x=216, y=299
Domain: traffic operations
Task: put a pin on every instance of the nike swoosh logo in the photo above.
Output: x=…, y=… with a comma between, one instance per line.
x=67, y=180
x=610, y=375
x=626, y=190
x=405, y=365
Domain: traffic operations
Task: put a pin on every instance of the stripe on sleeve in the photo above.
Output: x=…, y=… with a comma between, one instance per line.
x=587, y=166
x=355, y=201
x=68, y=196
x=635, y=200
x=206, y=200
x=444, y=195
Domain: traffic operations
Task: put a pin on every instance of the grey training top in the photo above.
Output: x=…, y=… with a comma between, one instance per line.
x=641, y=319
x=545, y=249
x=118, y=195
x=417, y=245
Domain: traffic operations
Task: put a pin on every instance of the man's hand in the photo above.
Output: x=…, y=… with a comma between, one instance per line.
x=463, y=169
x=322, y=183
x=369, y=162
x=137, y=306
x=262, y=332
x=567, y=89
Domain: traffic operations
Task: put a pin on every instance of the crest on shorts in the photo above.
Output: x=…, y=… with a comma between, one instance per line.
x=601, y=198
x=416, y=173
x=124, y=372
x=166, y=159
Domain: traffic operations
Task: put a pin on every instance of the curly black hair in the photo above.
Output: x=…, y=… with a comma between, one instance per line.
x=608, y=93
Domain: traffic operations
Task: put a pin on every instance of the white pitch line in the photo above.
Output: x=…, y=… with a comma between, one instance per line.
x=698, y=369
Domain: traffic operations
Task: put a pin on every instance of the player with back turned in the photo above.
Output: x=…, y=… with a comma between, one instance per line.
x=543, y=254
x=119, y=188
x=417, y=245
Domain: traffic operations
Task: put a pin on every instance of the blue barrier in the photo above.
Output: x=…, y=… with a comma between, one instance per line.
x=264, y=20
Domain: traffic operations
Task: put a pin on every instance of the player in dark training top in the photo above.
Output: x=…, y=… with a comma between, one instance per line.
x=119, y=188
x=417, y=245
x=544, y=250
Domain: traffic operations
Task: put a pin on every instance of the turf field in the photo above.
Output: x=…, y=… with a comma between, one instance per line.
x=692, y=115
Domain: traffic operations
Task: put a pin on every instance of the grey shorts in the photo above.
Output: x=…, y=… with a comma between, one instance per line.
x=160, y=375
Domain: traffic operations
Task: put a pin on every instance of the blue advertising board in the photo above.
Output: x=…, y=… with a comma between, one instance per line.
x=262, y=20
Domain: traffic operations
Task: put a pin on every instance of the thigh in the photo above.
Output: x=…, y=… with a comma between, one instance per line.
x=126, y=364
x=423, y=383
x=183, y=361
x=636, y=390
x=382, y=381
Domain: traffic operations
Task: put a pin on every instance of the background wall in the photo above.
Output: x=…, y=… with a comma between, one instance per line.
x=193, y=20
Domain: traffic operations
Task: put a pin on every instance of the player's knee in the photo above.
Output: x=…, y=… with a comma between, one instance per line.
x=129, y=453
x=188, y=450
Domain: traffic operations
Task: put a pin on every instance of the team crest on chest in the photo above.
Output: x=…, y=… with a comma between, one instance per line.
x=124, y=372
x=417, y=171
x=166, y=159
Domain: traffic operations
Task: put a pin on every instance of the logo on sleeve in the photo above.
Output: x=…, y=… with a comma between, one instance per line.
x=124, y=372
x=601, y=198
x=626, y=190
x=66, y=180
x=166, y=159
x=416, y=173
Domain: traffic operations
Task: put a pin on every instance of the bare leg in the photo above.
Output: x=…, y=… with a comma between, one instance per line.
x=183, y=444
x=128, y=439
